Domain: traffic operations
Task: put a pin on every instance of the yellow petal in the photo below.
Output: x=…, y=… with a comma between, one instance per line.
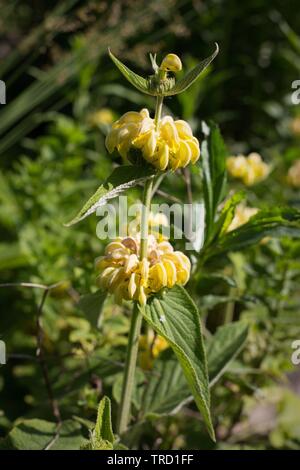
x=150, y=145
x=142, y=297
x=130, y=117
x=184, y=129
x=168, y=132
x=184, y=154
x=104, y=278
x=111, y=140
x=157, y=277
x=195, y=149
x=171, y=272
x=132, y=285
x=131, y=263
x=144, y=113
x=144, y=270
x=163, y=157
x=113, y=246
x=165, y=247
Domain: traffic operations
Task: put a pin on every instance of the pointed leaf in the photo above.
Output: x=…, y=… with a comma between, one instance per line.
x=225, y=345
x=174, y=316
x=38, y=434
x=121, y=179
x=276, y=222
x=166, y=390
x=136, y=80
x=192, y=75
x=214, y=173
x=103, y=428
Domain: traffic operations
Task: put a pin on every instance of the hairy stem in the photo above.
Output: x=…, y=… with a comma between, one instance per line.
x=136, y=319
x=129, y=372
x=135, y=327
x=158, y=110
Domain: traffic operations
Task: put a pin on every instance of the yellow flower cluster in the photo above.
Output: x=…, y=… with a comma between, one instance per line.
x=241, y=216
x=293, y=176
x=125, y=276
x=250, y=170
x=170, y=144
x=151, y=346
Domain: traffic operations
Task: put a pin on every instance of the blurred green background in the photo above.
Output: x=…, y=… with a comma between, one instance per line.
x=63, y=93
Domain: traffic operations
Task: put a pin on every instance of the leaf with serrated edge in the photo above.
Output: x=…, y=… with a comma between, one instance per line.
x=166, y=390
x=174, y=316
x=136, y=80
x=121, y=179
x=192, y=75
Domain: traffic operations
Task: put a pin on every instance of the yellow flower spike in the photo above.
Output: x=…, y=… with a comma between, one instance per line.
x=121, y=272
x=168, y=144
x=171, y=63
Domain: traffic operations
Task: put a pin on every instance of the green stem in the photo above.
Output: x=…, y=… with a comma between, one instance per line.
x=129, y=373
x=136, y=320
x=135, y=326
x=158, y=110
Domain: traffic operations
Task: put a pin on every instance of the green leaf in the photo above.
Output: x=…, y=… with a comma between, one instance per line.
x=277, y=222
x=121, y=179
x=102, y=437
x=91, y=305
x=174, y=316
x=103, y=428
x=37, y=434
x=136, y=80
x=214, y=174
x=144, y=86
x=192, y=75
x=225, y=345
x=166, y=391
x=227, y=214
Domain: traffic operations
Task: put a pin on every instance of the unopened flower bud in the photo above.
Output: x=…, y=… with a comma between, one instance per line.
x=171, y=63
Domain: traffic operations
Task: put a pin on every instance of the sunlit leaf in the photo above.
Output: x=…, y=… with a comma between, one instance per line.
x=192, y=75
x=175, y=317
x=121, y=179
